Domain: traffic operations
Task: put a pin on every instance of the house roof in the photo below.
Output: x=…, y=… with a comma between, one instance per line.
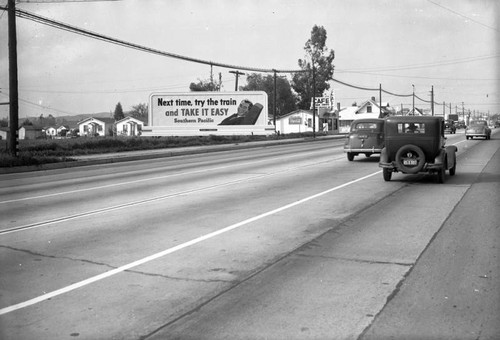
x=294, y=113
x=417, y=111
x=31, y=128
x=130, y=118
x=349, y=113
x=366, y=103
x=103, y=120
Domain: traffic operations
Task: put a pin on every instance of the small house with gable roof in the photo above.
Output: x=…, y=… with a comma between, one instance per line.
x=369, y=109
x=129, y=126
x=95, y=127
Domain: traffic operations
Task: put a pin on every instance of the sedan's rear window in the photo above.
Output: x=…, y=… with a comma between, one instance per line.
x=411, y=128
x=366, y=126
x=478, y=123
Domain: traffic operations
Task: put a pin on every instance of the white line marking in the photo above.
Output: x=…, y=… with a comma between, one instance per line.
x=142, y=180
x=173, y=249
x=148, y=200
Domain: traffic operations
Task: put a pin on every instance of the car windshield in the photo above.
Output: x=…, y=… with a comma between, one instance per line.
x=411, y=128
x=366, y=126
x=478, y=123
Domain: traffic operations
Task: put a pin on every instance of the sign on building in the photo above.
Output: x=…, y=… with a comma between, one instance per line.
x=208, y=113
x=323, y=102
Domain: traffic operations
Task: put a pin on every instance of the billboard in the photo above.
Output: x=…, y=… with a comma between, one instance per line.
x=205, y=113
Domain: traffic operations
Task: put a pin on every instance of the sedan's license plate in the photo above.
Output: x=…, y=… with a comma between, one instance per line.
x=410, y=162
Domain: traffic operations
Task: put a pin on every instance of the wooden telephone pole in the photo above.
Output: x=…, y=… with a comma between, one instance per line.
x=13, y=85
x=237, y=74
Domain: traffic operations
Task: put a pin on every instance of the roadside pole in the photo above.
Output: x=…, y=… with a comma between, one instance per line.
x=13, y=86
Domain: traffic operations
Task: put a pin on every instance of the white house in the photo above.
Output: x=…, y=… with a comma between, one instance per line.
x=369, y=109
x=297, y=121
x=95, y=126
x=60, y=130
x=4, y=133
x=50, y=131
x=129, y=126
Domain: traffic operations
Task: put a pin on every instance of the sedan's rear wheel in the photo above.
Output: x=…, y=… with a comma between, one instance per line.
x=350, y=156
x=453, y=169
x=440, y=175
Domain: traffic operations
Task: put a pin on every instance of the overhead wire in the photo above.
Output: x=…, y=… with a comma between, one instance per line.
x=60, y=25
x=73, y=29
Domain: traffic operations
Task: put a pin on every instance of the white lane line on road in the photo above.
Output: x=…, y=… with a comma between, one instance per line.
x=140, y=202
x=142, y=180
x=173, y=249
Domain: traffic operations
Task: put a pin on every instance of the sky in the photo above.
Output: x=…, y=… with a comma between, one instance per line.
x=452, y=46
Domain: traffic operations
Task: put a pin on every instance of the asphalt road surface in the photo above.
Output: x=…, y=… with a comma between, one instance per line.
x=281, y=242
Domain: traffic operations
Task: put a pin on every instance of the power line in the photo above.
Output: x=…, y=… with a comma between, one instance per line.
x=63, y=26
x=463, y=16
x=425, y=65
x=416, y=77
x=66, y=27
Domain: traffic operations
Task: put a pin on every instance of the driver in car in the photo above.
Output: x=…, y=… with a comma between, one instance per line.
x=412, y=128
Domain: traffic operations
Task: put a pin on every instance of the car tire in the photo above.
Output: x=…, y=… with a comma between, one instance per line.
x=440, y=175
x=387, y=174
x=410, y=148
x=453, y=169
x=350, y=156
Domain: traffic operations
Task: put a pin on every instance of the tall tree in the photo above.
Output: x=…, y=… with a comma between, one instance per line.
x=140, y=111
x=284, y=95
x=317, y=54
x=119, y=115
x=27, y=122
x=51, y=120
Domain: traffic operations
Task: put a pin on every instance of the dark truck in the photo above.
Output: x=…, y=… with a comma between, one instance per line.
x=416, y=144
x=450, y=127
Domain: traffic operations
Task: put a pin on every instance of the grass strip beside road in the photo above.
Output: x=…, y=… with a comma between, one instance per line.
x=45, y=151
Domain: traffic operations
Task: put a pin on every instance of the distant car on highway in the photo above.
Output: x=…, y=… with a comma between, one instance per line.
x=478, y=128
x=366, y=136
x=416, y=144
x=449, y=127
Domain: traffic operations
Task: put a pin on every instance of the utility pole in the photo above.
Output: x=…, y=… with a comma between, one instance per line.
x=413, y=104
x=314, y=100
x=275, y=103
x=463, y=113
x=380, y=99
x=237, y=74
x=13, y=85
x=432, y=100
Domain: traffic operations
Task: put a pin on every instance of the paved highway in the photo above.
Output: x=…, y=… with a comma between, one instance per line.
x=288, y=241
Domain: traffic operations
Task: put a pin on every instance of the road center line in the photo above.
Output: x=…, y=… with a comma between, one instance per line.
x=141, y=180
x=150, y=258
